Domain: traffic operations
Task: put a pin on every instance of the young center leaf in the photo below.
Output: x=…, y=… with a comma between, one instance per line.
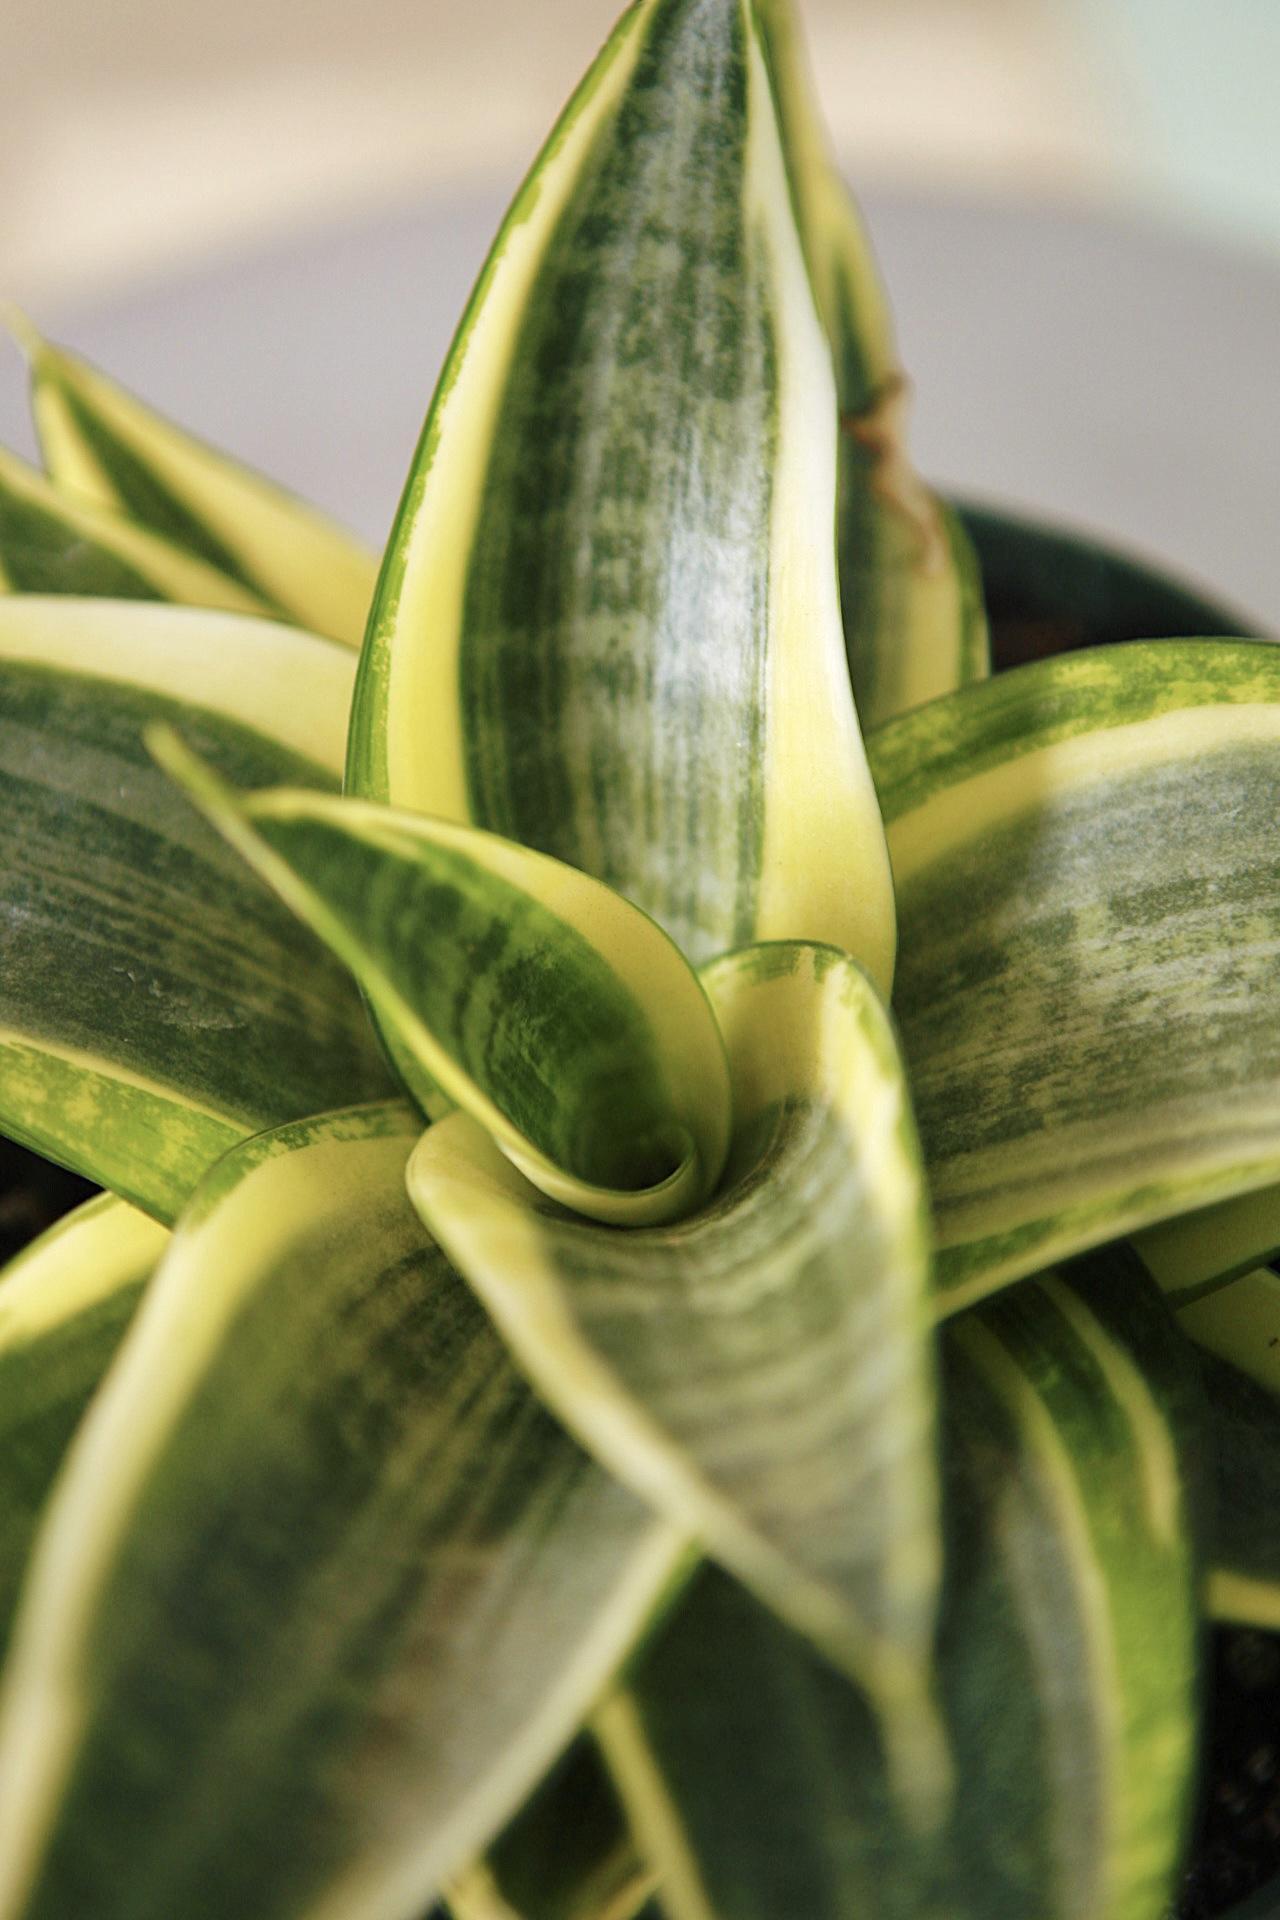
x=608, y=623
x=910, y=590
x=1089, y=896
x=322, y=1591
x=755, y=1774
x=511, y=985
x=760, y=1370
x=105, y=448
x=159, y=1004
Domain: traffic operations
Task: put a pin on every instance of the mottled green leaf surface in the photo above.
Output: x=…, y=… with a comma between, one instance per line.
x=564, y=1020
x=608, y=622
x=753, y=1773
x=322, y=1591
x=64, y=1306
x=761, y=1369
x=105, y=448
x=1089, y=893
x=159, y=1004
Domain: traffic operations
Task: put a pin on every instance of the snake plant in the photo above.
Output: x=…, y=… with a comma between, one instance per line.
x=678, y=1323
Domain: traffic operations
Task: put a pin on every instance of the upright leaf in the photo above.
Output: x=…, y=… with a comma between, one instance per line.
x=1089, y=897
x=64, y=1306
x=531, y=995
x=53, y=542
x=909, y=585
x=754, y=1773
x=158, y=1003
x=322, y=1591
x=608, y=623
x=104, y=446
x=760, y=1370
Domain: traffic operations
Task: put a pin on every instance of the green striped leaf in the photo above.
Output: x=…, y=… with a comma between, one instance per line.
x=911, y=595
x=322, y=1591
x=754, y=1775
x=64, y=1306
x=159, y=1004
x=519, y=989
x=1244, y=1576
x=103, y=446
x=761, y=1370
x=53, y=542
x=1089, y=894
x=608, y=623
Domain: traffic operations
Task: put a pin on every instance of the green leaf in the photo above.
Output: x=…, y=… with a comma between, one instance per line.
x=322, y=1591
x=103, y=446
x=1244, y=1576
x=65, y=1303
x=753, y=1773
x=54, y=542
x=608, y=623
x=159, y=1004
x=761, y=1370
x=1089, y=897
x=911, y=596
x=510, y=984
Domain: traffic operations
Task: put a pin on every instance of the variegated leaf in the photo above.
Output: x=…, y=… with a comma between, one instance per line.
x=103, y=446
x=159, y=1004
x=512, y=985
x=54, y=542
x=760, y=1370
x=1089, y=898
x=608, y=622
x=322, y=1591
x=754, y=1774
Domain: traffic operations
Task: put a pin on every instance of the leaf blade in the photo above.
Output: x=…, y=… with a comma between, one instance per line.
x=728, y=745
x=305, y=1390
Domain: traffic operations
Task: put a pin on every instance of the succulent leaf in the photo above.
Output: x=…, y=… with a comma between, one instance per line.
x=513, y=986
x=103, y=447
x=759, y=1371
x=1088, y=894
x=608, y=623
x=159, y=1005
x=321, y=1591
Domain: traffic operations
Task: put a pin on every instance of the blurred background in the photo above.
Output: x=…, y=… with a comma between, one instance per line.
x=136, y=135
x=265, y=215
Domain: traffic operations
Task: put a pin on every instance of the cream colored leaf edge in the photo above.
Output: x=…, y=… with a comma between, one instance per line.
x=306, y=564
x=641, y=957
x=98, y=1250
x=291, y=686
